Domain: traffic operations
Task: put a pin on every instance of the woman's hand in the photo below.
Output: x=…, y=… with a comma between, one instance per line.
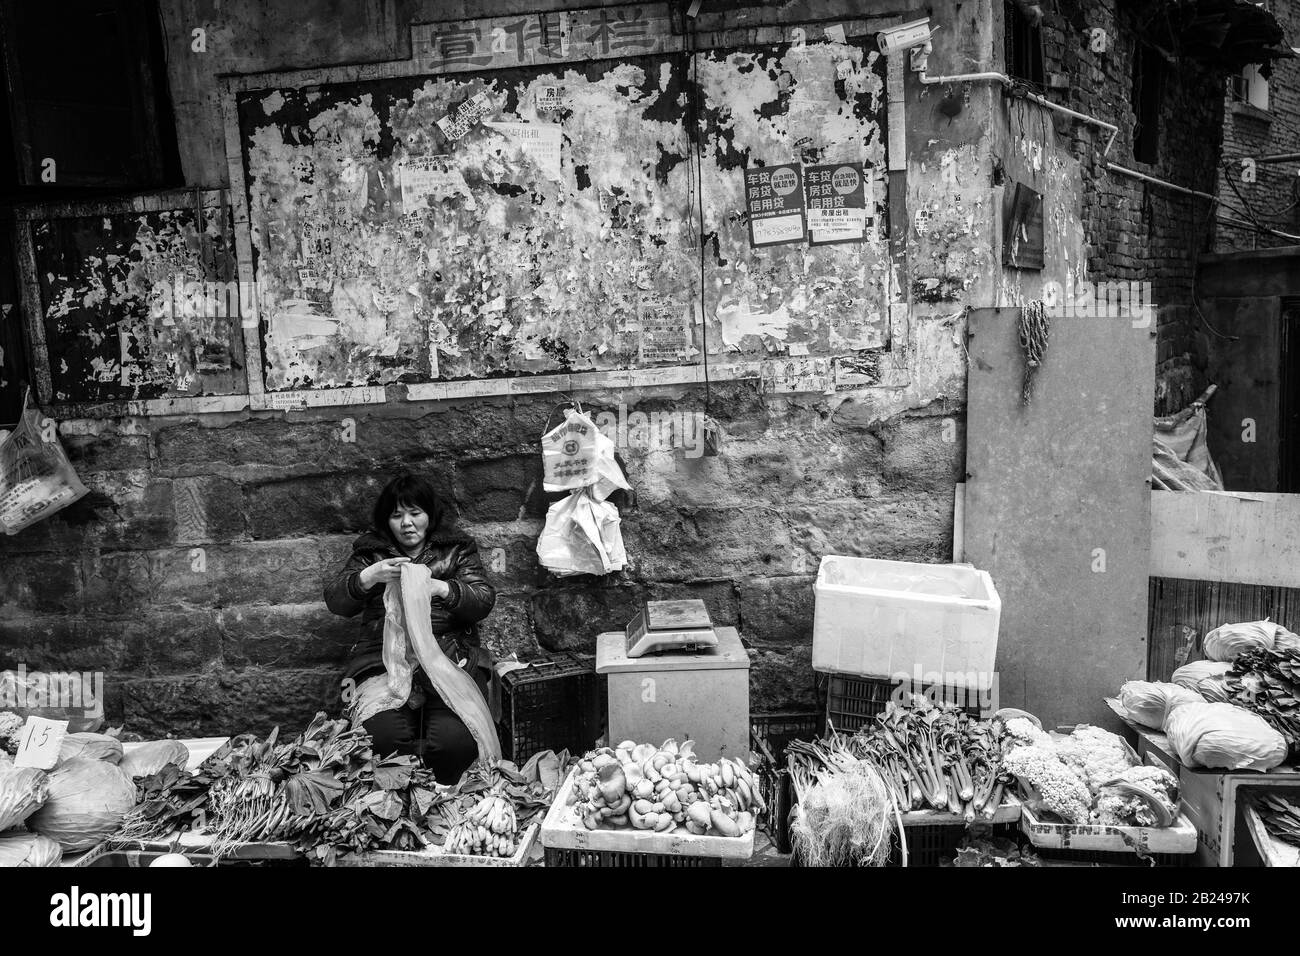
x=440, y=588
x=387, y=571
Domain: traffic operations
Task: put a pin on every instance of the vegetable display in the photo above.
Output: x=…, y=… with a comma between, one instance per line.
x=327, y=793
x=87, y=801
x=1267, y=683
x=930, y=757
x=1281, y=816
x=643, y=787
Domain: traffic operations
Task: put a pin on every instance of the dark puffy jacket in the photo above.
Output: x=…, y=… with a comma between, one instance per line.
x=451, y=557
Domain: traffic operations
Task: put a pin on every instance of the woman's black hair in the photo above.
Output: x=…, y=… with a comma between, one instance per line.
x=411, y=491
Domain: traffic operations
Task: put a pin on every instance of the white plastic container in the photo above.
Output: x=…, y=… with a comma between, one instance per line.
x=885, y=619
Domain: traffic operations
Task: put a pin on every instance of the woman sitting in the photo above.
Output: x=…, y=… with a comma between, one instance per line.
x=409, y=526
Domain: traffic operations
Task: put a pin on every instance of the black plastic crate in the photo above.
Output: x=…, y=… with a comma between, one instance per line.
x=603, y=858
x=556, y=703
x=770, y=734
x=934, y=844
x=852, y=702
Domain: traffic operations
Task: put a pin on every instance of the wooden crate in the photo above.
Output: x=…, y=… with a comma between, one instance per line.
x=563, y=830
x=1177, y=839
x=1211, y=800
x=436, y=856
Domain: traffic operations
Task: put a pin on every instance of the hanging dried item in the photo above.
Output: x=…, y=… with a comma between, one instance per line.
x=1033, y=341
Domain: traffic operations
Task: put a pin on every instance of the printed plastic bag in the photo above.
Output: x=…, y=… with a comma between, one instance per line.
x=581, y=536
x=569, y=453
x=36, y=479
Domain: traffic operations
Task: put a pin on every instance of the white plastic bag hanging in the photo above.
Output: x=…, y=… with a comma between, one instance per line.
x=36, y=479
x=569, y=453
x=581, y=536
x=609, y=477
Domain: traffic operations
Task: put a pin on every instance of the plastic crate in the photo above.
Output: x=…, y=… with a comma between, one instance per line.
x=556, y=703
x=563, y=857
x=852, y=702
x=1110, y=858
x=935, y=844
x=773, y=733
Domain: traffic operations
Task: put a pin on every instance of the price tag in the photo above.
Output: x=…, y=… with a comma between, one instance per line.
x=40, y=743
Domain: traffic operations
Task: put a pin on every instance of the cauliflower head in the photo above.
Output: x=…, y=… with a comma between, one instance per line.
x=11, y=726
x=1094, y=754
x=1060, y=789
x=1023, y=732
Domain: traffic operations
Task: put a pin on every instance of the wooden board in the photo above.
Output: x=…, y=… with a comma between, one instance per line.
x=563, y=830
x=1246, y=538
x=132, y=300
x=495, y=262
x=1057, y=507
x=1182, y=612
x=1178, y=838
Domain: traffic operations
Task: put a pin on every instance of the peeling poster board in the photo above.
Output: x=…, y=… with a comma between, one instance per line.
x=140, y=305
x=532, y=242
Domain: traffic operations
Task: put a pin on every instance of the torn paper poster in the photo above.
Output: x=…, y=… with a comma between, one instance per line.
x=837, y=203
x=664, y=336
x=775, y=202
x=297, y=322
x=425, y=178
x=456, y=124
x=797, y=375
x=549, y=98
x=540, y=141
x=738, y=321
x=835, y=33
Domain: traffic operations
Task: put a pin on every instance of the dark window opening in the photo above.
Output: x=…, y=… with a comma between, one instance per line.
x=1289, y=478
x=1024, y=43
x=86, y=88
x=1148, y=93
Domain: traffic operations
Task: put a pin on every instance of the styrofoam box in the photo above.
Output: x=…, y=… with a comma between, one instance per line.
x=881, y=619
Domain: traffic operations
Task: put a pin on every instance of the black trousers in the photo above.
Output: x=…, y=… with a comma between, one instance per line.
x=432, y=732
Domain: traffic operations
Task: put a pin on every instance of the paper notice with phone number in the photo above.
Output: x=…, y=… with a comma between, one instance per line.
x=837, y=203
x=774, y=201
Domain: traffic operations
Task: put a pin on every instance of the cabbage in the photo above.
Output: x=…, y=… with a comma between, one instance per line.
x=86, y=803
x=21, y=792
x=94, y=746
x=1224, y=737
x=1189, y=675
x=29, y=849
x=1149, y=703
x=147, y=759
x=1226, y=642
x=1216, y=690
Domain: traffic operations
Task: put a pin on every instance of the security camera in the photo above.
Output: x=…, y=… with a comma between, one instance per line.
x=904, y=36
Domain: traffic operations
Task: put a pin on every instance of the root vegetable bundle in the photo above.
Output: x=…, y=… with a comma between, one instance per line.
x=643, y=787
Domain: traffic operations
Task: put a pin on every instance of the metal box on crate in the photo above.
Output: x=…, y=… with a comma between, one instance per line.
x=555, y=703
x=881, y=618
x=700, y=696
x=852, y=702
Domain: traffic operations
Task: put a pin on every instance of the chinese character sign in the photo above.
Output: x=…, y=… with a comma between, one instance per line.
x=774, y=201
x=837, y=203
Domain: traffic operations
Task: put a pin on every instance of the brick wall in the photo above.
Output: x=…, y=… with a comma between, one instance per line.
x=1274, y=197
x=1134, y=230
